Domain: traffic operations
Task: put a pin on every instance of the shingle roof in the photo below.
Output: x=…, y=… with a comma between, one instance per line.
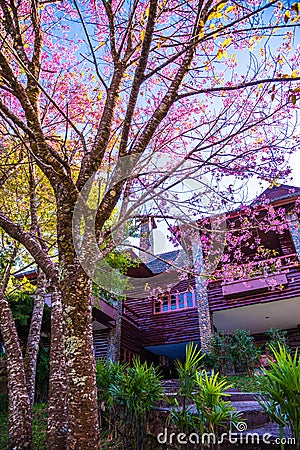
x=157, y=266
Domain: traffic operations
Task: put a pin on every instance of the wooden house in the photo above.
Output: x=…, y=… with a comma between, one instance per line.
x=158, y=327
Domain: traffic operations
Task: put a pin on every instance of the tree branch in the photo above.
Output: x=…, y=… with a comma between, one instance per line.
x=31, y=243
x=237, y=87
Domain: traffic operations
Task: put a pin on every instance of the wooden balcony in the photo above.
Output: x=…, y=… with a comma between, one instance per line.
x=256, y=284
x=104, y=312
x=257, y=277
x=256, y=288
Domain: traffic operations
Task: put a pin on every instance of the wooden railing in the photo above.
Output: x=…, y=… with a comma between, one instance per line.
x=258, y=268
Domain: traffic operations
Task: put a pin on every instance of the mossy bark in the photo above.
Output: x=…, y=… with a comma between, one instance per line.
x=19, y=410
x=76, y=286
x=57, y=407
x=33, y=340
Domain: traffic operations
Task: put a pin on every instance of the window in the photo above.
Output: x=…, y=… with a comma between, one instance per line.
x=174, y=302
x=189, y=299
x=181, y=297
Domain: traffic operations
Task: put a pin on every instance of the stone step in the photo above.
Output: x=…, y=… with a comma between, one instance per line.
x=170, y=385
x=233, y=396
x=260, y=438
x=166, y=401
x=272, y=429
x=238, y=396
x=253, y=413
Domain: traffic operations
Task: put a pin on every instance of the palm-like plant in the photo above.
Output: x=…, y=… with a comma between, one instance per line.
x=140, y=390
x=213, y=411
x=108, y=374
x=181, y=414
x=281, y=393
x=206, y=391
x=138, y=393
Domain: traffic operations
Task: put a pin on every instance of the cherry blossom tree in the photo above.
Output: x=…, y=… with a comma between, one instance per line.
x=140, y=95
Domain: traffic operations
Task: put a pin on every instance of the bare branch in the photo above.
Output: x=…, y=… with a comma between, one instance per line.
x=238, y=86
x=32, y=244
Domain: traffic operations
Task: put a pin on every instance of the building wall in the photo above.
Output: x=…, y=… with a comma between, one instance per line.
x=132, y=342
x=100, y=340
x=143, y=327
x=167, y=327
x=218, y=302
x=293, y=335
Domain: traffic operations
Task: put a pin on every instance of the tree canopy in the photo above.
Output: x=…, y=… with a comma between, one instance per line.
x=133, y=97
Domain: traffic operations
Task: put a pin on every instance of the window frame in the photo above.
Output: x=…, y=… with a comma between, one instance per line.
x=171, y=301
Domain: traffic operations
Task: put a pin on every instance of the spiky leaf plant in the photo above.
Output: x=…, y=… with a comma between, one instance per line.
x=281, y=393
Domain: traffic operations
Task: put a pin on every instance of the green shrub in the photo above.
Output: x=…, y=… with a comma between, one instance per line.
x=213, y=412
x=219, y=354
x=3, y=404
x=108, y=374
x=243, y=352
x=246, y=383
x=281, y=393
x=42, y=374
x=126, y=397
x=237, y=351
x=39, y=426
x=181, y=415
x=275, y=338
x=206, y=391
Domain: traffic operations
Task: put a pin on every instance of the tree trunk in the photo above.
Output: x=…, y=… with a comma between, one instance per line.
x=82, y=407
x=33, y=341
x=19, y=413
x=57, y=408
x=76, y=287
x=114, y=338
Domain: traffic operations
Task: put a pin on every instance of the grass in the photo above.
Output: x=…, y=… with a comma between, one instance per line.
x=246, y=383
x=38, y=428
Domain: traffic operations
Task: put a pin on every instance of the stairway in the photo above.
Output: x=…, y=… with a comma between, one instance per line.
x=254, y=417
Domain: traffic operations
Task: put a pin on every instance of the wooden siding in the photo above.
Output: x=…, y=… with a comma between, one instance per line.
x=286, y=243
x=167, y=327
x=100, y=340
x=218, y=302
x=131, y=336
x=294, y=337
x=182, y=325
x=132, y=340
x=172, y=327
